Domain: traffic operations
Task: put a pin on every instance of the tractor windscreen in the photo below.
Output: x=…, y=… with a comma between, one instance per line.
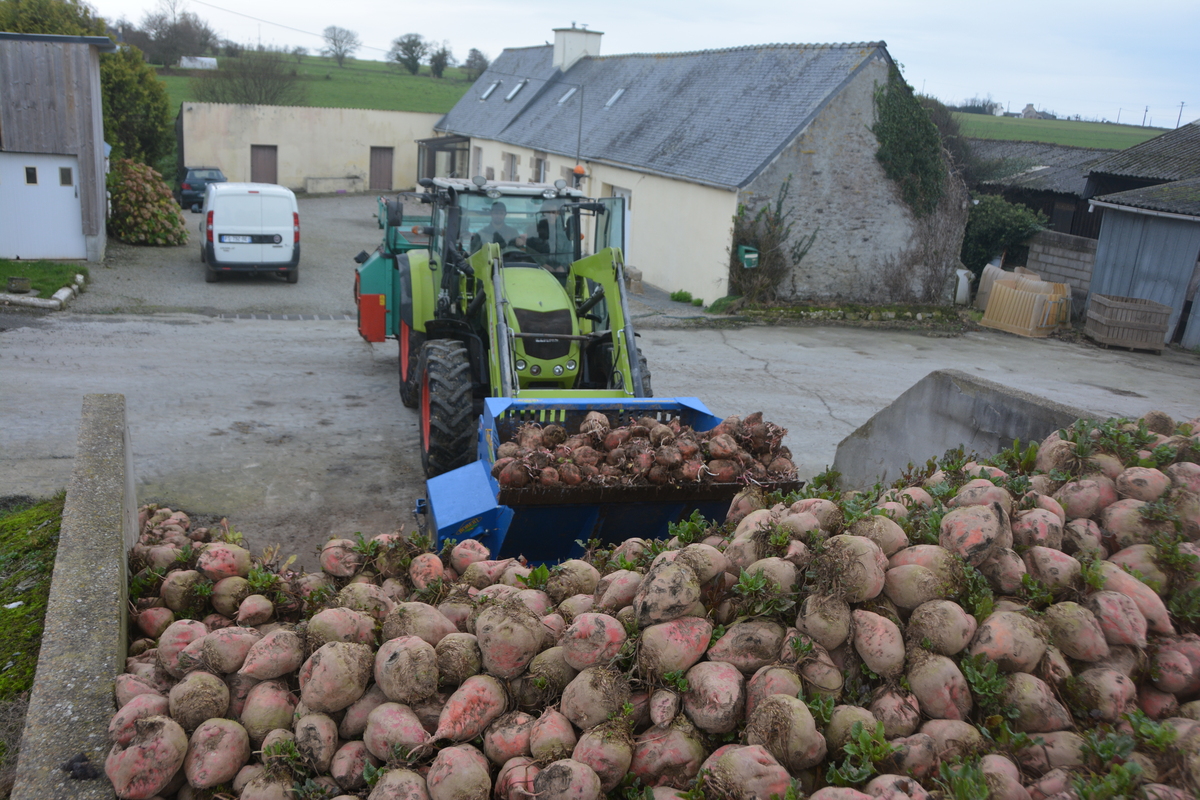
x=534, y=226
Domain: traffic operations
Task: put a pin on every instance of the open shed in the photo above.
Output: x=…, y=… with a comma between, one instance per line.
x=1149, y=248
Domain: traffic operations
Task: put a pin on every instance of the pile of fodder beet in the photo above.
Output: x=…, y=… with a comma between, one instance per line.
x=644, y=452
x=1023, y=626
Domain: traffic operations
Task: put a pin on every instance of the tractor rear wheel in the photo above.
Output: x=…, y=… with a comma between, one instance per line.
x=448, y=424
x=410, y=375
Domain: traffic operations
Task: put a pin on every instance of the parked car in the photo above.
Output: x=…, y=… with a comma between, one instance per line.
x=195, y=181
x=250, y=228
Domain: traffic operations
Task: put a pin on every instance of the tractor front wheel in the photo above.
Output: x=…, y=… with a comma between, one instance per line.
x=448, y=424
x=410, y=374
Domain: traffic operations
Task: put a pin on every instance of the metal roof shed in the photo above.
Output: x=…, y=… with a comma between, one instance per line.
x=1149, y=248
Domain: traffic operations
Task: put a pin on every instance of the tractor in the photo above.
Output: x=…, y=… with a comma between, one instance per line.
x=507, y=290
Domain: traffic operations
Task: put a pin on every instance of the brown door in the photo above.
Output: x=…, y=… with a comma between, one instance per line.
x=264, y=163
x=381, y=169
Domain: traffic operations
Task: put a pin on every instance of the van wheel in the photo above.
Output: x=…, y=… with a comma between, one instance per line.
x=294, y=275
x=210, y=274
x=203, y=258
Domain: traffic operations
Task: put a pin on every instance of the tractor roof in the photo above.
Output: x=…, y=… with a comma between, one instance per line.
x=507, y=188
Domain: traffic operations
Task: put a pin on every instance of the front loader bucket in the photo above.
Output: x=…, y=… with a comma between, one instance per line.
x=551, y=525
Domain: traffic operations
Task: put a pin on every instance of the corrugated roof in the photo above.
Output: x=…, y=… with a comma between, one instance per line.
x=1180, y=197
x=1038, y=166
x=714, y=116
x=1173, y=156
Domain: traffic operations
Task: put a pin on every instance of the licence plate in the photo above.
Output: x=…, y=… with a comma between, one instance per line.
x=231, y=239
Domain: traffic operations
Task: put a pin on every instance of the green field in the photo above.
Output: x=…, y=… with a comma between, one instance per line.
x=1055, y=131
x=359, y=84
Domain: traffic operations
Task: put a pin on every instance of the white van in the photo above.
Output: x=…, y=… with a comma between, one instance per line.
x=250, y=227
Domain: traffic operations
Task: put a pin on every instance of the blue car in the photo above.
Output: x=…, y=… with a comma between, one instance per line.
x=195, y=181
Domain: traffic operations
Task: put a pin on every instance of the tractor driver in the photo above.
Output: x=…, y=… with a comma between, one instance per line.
x=498, y=230
x=550, y=238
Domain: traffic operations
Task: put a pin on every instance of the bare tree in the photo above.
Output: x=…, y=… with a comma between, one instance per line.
x=340, y=44
x=168, y=34
x=256, y=78
x=299, y=53
x=440, y=58
x=476, y=64
x=408, y=51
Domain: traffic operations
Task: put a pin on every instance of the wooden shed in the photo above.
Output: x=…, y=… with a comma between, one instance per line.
x=52, y=160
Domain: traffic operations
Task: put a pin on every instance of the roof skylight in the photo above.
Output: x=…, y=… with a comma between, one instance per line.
x=488, y=91
x=516, y=89
x=567, y=96
x=616, y=96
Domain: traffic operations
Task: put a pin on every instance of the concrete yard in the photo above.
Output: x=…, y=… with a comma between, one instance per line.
x=294, y=427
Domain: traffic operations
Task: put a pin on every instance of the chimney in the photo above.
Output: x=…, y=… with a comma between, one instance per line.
x=572, y=44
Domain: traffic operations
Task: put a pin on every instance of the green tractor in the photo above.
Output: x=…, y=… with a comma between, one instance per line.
x=511, y=290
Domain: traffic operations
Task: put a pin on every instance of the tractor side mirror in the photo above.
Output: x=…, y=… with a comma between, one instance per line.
x=361, y=257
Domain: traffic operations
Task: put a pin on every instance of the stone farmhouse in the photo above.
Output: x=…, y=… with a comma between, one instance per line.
x=685, y=138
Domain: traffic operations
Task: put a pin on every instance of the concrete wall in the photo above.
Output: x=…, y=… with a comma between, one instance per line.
x=312, y=142
x=1062, y=258
x=838, y=187
x=679, y=232
x=83, y=644
x=945, y=409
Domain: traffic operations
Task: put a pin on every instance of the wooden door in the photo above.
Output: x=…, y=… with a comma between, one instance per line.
x=381, y=169
x=264, y=163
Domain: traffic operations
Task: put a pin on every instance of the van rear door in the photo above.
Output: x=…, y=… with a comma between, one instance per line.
x=278, y=229
x=237, y=228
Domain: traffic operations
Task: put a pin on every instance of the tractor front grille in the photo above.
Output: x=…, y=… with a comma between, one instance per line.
x=552, y=322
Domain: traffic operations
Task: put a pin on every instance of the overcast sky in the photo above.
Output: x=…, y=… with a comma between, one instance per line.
x=1095, y=59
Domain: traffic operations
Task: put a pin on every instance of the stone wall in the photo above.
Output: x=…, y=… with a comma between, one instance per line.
x=1062, y=258
x=839, y=190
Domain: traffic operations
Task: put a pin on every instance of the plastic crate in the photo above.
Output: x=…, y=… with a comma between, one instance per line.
x=1027, y=307
x=1127, y=322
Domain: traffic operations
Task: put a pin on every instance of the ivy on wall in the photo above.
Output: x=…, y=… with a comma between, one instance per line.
x=910, y=148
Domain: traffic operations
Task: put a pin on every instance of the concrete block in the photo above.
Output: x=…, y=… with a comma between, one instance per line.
x=943, y=410
x=83, y=646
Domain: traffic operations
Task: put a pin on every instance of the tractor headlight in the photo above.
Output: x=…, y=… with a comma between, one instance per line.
x=558, y=369
x=493, y=194
x=549, y=193
x=520, y=364
x=535, y=370
x=571, y=366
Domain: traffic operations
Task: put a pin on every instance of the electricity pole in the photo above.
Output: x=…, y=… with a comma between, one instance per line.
x=1147, y=111
x=1180, y=117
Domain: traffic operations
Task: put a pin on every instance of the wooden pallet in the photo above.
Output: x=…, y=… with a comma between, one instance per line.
x=1128, y=322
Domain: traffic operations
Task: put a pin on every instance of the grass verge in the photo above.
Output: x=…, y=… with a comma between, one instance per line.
x=28, y=544
x=47, y=277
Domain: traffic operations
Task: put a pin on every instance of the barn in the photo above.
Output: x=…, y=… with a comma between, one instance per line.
x=52, y=153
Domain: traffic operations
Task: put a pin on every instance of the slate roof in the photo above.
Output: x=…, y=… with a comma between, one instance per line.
x=715, y=117
x=1173, y=156
x=1038, y=166
x=1180, y=197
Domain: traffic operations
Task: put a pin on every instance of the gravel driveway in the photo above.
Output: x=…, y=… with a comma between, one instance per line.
x=143, y=280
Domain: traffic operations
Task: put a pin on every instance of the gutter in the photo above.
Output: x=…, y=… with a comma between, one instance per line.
x=1147, y=211
x=605, y=162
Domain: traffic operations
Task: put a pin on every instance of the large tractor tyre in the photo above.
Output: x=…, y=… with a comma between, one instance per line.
x=410, y=374
x=448, y=425
x=644, y=368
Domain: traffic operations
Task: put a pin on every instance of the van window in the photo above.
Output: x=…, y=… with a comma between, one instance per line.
x=241, y=209
x=275, y=209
